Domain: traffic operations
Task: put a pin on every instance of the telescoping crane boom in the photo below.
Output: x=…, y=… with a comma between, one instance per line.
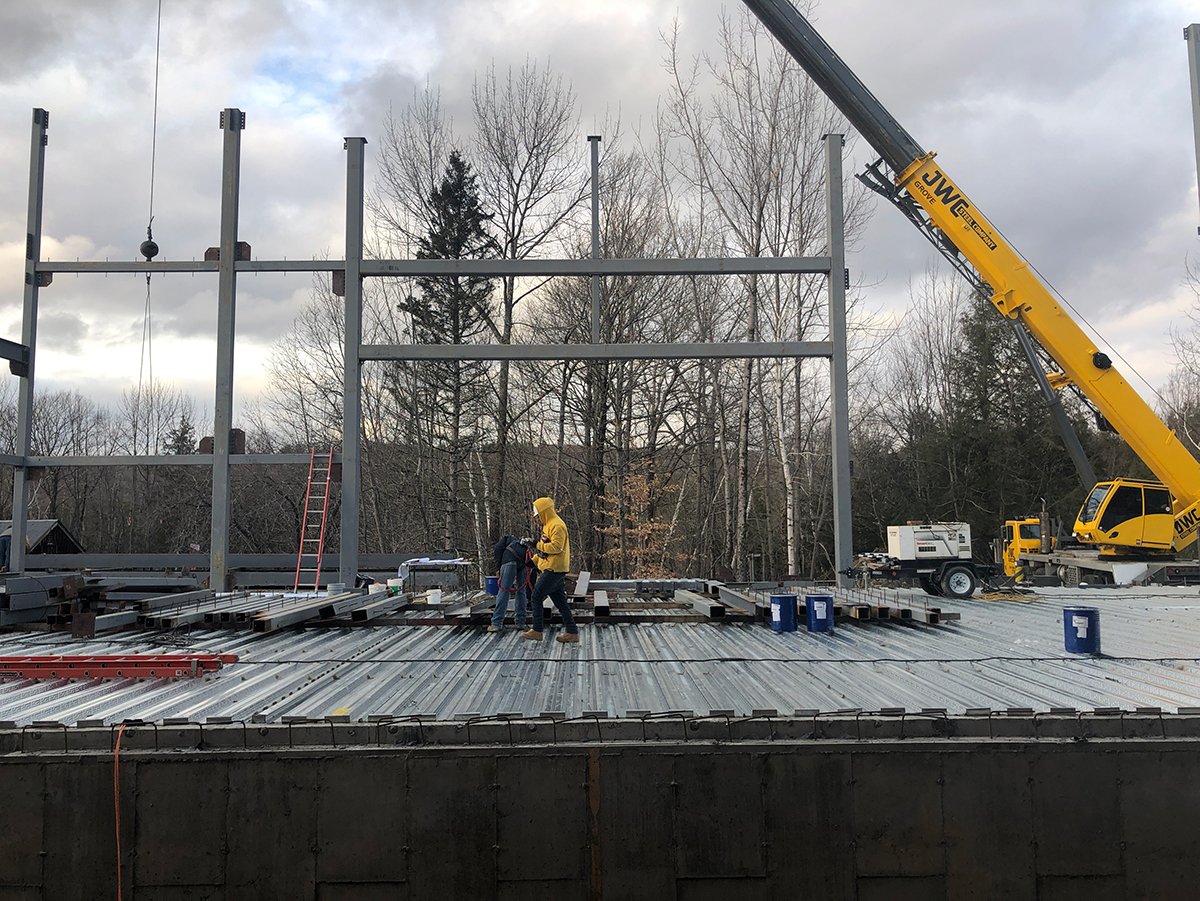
x=1120, y=516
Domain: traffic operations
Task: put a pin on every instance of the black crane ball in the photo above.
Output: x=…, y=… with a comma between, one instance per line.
x=149, y=249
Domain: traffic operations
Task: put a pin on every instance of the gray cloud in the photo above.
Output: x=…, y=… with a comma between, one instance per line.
x=1068, y=123
x=65, y=330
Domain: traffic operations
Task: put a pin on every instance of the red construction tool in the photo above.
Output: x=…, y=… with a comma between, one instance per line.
x=114, y=666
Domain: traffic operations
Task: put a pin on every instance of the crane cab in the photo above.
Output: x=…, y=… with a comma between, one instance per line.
x=1127, y=516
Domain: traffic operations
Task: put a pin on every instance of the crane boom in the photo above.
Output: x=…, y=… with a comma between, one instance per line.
x=1016, y=290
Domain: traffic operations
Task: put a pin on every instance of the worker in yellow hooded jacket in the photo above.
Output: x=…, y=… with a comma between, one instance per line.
x=553, y=559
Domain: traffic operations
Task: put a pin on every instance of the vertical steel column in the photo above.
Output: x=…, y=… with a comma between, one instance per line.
x=1191, y=34
x=843, y=541
x=594, y=140
x=29, y=315
x=351, y=371
x=233, y=121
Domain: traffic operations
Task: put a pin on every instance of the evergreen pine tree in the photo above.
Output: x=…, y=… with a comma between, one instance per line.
x=182, y=438
x=452, y=310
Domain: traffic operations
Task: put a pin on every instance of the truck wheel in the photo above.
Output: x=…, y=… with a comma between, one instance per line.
x=958, y=582
x=930, y=586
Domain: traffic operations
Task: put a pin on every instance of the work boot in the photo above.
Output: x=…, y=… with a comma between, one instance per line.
x=567, y=637
x=493, y=628
x=532, y=634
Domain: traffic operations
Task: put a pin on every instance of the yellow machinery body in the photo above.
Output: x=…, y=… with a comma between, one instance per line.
x=1021, y=537
x=1019, y=294
x=1110, y=518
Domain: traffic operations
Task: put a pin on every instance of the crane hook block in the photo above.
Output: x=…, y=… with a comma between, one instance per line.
x=148, y=249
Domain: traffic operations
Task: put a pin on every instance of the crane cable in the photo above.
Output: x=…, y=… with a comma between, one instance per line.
x=1168, y=404
x=149, y=248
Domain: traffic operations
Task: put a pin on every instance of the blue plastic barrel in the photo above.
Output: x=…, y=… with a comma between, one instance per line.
x=783, y=612
x=492, y=586
x=818, y=609
x=1081, y=630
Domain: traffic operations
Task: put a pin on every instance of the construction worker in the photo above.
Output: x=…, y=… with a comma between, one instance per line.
x=553, y=559
x=514, y=560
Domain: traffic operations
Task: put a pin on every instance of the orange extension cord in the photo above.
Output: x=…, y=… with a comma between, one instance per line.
x=117, y=802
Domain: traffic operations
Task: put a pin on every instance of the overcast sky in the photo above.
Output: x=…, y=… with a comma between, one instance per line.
x=1068, y=123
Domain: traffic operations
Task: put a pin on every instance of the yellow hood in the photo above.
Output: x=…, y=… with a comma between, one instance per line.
x=544, y=508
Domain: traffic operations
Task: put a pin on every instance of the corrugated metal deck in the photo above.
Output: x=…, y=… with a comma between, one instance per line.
x=999, y=655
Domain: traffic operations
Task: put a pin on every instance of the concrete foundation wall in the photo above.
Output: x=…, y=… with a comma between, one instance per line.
x=895, y=820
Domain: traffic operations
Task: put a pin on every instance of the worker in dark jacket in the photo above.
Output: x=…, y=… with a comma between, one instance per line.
x=514, y=563
x=553, y=559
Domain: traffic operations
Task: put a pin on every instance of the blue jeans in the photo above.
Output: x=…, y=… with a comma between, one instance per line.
x=508, y=578
x=550, y=585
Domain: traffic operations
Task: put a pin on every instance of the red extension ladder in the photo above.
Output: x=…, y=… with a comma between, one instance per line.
x=114, y=666
x=312, y=526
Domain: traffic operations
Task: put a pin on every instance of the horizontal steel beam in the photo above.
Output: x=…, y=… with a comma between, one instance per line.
x=199, y=562
x=168, y=267
x=581, y=267
x=17, y=356
x=137, y=267
x=600, y=605
x=162, y=460
x=700, y=266
x=304, y=610
x=711, y=608
x=107, y=621
x=714, y=351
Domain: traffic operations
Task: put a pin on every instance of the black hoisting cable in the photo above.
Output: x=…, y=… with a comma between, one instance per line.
x=149, y=249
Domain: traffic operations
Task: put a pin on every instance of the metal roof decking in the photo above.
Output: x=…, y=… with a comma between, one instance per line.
x=1000, y=655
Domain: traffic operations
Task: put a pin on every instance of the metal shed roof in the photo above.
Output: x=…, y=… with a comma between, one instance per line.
x=999, y=655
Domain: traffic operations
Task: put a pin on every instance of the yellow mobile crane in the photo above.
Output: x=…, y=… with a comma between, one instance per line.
x=1125, y=520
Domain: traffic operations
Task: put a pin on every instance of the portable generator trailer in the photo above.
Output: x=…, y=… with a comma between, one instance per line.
x=935, y=555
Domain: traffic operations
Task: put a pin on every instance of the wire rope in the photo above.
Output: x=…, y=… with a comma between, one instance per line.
x=1129, y=367
x=149, y=248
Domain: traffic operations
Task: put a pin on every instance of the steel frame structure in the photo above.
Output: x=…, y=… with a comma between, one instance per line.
x=1191, y=34
x=39, y=274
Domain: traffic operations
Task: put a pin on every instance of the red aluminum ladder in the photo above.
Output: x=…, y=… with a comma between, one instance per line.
x=312, y=526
